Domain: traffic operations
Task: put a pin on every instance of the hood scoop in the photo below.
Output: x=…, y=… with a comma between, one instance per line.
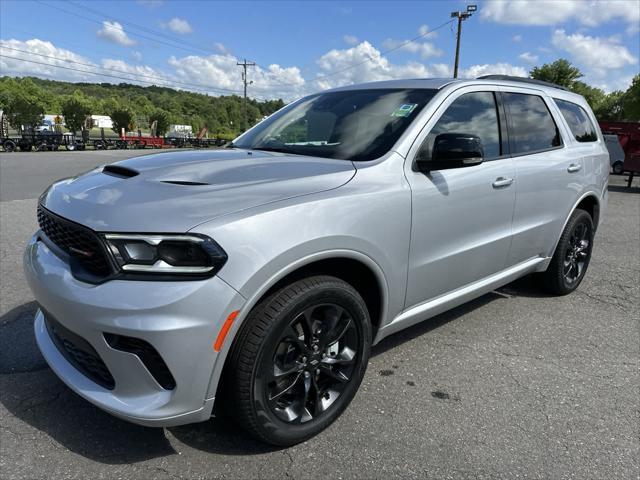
x=119, y=171
x=184, y=182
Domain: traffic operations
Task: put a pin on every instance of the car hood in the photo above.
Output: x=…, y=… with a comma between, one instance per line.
x=174, y=192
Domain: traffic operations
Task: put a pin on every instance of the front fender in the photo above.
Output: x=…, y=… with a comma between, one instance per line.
x=369, y=222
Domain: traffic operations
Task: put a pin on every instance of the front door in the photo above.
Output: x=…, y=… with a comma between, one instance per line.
x=461, y=218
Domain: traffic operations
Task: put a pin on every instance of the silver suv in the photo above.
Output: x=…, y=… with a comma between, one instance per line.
x=259, y=276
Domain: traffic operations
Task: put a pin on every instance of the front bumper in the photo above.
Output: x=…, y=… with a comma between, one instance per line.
x=180, y=320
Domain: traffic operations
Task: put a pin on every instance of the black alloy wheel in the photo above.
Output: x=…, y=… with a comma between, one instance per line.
x=298, y=360
x=314, y=359
x=573, y=253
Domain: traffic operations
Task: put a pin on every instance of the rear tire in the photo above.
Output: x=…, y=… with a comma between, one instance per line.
x=572, y=256
x=298, y=360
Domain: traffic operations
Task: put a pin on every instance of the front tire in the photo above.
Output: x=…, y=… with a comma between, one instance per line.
x=299, y=359
x=572, y=256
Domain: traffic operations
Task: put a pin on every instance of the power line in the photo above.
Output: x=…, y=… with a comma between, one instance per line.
x=104, y=25
x=220, y=89
x=166, y=84
x=177, y=43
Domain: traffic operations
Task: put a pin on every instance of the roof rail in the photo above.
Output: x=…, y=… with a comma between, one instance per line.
x=521, y=79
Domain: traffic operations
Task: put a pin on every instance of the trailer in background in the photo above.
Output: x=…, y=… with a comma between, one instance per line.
x=628, y=134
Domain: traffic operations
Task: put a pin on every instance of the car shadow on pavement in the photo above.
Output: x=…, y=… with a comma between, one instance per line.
x=33, y=394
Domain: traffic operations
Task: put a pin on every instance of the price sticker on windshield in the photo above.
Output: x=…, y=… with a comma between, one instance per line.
x=404, y=110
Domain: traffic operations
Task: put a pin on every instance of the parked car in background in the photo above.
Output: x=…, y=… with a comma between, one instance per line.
x=616, y=153
x=261, y=275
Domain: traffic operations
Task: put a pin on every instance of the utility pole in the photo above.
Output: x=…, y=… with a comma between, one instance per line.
x=461, y=16
x=244, y=65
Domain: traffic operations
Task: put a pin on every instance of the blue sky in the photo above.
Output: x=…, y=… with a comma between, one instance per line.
x=304, y=46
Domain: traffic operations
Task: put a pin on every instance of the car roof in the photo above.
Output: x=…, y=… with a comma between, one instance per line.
x=426, y=83
x=438, y=83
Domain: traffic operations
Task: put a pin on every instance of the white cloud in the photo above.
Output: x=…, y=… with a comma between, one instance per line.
x=528, y=58
x=350, y=39
x=337, y=68
x=596, y=53
x=113, y=32
x=517, y=38
x=178, y=25
x=137, y=56
x=142, y=71
x=221, y=71
x=553, y=12
x=12, y=66
x=493, y=69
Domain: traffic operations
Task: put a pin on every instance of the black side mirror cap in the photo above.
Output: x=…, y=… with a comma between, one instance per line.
x=453, y=150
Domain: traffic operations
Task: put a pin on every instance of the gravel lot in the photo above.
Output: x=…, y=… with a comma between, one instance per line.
x=513, y=384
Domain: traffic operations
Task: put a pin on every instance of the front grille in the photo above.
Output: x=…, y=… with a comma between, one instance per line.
x=147, y=354
x=79, y=353
x=77, y=241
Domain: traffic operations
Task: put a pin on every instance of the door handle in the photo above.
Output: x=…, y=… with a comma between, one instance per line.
x=501, y=182
x=574, y=167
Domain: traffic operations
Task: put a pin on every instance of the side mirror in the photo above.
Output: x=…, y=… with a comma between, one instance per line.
x=453, y=150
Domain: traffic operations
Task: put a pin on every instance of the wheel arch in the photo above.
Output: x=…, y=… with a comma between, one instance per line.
x=356, y=268
x=590, y=202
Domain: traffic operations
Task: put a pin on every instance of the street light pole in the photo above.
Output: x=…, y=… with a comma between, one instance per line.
x=461, y=16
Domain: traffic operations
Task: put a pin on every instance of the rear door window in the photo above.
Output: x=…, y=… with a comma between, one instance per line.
x=579, y=122
x=531, y=126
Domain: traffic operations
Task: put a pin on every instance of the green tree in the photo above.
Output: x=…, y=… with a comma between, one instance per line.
x=75, y=110
x=163, y=121
x=122, y=117
x=25, y=105
x=630, y=101
x=610, y=107
x=560, y=72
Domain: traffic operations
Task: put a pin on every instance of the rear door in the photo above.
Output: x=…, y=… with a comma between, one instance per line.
x=461, y=218
x=549, y=177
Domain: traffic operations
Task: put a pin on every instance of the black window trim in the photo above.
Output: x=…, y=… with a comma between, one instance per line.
x=509, y=126
x=556, y=100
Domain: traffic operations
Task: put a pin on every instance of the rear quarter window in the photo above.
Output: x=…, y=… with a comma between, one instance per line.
x=531, y=126
x=579, y=122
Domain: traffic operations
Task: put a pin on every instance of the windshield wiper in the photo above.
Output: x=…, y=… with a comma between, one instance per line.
x=273, y=149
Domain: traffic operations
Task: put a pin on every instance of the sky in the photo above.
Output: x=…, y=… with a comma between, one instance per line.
x=301, y=47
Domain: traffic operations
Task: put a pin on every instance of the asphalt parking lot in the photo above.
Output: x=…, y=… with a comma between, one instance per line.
x=515, y=384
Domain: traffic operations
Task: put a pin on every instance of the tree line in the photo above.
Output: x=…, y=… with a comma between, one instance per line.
x=615, y=106
x=25, y=101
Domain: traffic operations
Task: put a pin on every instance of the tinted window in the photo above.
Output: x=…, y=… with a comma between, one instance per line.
x=578, y=120
x=472, y=114
x=531, y=126
x=350, y=125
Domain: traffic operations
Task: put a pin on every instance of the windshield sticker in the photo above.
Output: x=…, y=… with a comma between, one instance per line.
x=404, y=110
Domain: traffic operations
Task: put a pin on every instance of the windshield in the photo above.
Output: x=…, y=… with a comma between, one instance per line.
x=350, y=125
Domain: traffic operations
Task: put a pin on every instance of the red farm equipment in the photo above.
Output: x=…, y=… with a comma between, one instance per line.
x=629, y=137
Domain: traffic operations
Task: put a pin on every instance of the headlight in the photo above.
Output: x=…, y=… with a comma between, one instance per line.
x=189, y=254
